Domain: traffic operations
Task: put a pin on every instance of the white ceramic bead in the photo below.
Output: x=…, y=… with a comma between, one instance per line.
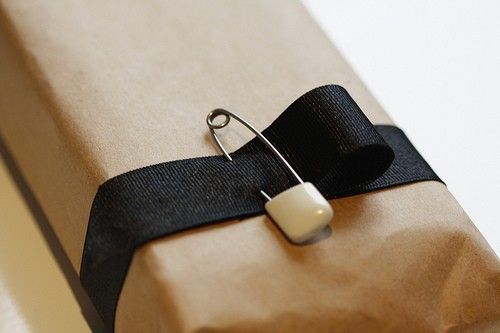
x=301, y=212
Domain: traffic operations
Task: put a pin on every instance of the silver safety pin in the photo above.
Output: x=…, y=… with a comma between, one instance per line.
x=227, y=117
x=300, y=211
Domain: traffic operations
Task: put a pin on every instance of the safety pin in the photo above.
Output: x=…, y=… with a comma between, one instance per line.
x=300, y=211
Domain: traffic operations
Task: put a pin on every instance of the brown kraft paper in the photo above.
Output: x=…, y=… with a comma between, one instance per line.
x=92, y=89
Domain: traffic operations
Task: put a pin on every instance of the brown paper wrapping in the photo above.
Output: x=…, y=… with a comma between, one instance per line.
x=91, y=89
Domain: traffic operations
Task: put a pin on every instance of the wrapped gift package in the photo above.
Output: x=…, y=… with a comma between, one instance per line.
x=90, y=90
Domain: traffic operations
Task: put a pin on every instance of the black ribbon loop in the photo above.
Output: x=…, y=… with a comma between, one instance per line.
x=324, y=136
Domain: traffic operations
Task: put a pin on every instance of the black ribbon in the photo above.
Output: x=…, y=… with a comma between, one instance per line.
x=324, y=136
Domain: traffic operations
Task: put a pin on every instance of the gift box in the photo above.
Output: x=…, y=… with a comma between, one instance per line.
x=92, y=90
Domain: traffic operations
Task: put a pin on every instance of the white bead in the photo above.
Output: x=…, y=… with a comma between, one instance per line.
x=301, y=212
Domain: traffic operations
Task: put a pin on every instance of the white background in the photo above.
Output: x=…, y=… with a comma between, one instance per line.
x=435, y=67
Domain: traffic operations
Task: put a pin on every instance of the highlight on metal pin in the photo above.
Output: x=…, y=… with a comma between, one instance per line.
x=301, y=211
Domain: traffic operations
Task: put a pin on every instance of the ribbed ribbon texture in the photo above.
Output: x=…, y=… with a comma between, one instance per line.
x=323, y=135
